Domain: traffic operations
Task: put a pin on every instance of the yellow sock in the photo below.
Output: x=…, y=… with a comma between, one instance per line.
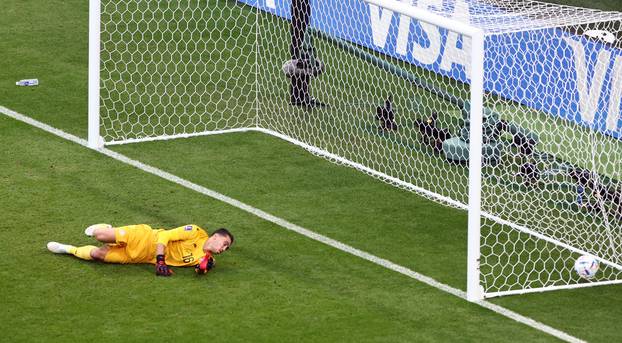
x=83, y=252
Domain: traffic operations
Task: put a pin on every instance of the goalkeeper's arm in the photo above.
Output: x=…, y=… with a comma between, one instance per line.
x=178, y=234
x=206, y=263
x=162, y=268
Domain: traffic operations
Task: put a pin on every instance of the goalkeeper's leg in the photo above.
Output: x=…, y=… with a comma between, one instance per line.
x=87, y=252
x=104, y=233
x=117, y=239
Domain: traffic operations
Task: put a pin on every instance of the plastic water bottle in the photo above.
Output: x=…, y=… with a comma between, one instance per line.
x=27, y=82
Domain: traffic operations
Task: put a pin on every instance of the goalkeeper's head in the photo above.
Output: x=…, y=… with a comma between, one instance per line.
x=219, y=241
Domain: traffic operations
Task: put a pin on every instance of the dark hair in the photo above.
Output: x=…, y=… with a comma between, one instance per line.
x=224, y=232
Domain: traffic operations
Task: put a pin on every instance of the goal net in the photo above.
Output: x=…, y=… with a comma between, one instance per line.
x=404, y=91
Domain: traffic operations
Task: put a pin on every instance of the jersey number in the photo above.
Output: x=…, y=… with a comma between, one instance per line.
x=188, y=258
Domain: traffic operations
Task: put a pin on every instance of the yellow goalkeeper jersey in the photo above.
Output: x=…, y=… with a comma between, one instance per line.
x=137, y=244
x=184, y=245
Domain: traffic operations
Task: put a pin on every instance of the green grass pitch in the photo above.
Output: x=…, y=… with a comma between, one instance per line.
x=274, y=285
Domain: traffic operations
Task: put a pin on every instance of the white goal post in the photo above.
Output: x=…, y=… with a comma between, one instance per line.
x=508, y=109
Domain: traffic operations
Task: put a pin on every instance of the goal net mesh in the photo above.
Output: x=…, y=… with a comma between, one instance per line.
x=389, y=95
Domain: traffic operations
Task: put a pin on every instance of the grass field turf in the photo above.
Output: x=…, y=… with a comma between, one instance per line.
x=294, y=287
x=274, y=286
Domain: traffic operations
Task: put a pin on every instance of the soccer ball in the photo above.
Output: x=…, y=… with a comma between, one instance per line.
x=586, y=266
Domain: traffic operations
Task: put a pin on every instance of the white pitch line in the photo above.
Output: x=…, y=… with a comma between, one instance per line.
x=295, y=228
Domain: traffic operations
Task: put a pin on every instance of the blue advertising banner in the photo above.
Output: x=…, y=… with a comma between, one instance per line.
x=551, y=70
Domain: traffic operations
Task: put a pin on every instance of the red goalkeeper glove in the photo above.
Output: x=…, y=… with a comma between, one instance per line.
x=206, y=263
x=161, y=268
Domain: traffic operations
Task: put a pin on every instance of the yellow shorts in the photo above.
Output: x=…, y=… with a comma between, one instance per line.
x=134, y=244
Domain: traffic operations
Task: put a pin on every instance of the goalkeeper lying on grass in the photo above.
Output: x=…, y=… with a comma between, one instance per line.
x=184, y=246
